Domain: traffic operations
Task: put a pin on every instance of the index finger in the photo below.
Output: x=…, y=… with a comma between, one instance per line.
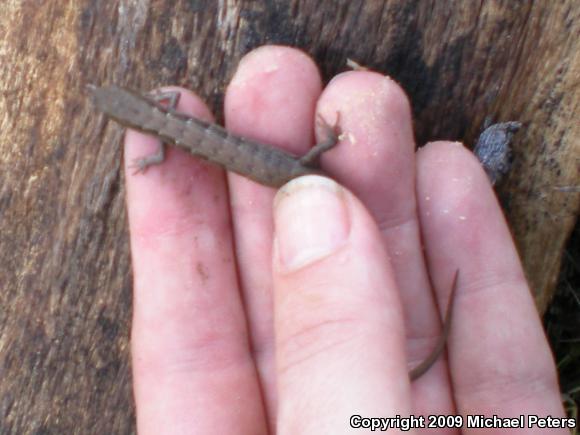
x=188, y=338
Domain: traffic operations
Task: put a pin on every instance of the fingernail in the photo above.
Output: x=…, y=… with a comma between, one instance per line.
x=311, y=221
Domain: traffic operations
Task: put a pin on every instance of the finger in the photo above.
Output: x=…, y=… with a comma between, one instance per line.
x=500, y=360
x=376, y=159
x=339, y=328
x=270, y=99
x=189, y=343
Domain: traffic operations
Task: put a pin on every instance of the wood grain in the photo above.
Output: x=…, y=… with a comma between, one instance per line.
x=65, y=267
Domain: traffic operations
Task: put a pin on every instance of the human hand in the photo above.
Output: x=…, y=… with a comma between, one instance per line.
x=225, y=340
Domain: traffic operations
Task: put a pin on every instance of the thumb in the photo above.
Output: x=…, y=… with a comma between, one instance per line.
x=338, y=318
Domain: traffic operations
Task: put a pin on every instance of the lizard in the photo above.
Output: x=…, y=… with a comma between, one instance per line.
x=262, y=163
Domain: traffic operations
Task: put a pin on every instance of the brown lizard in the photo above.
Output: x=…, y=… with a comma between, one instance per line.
x=265, y=164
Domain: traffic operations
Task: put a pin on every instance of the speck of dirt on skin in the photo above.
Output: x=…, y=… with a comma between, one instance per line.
x=202, y=271
x=351, y=137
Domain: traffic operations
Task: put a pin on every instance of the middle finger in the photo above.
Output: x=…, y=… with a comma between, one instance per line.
x=376, y=160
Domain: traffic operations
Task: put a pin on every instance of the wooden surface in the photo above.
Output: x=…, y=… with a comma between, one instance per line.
x=64, y=260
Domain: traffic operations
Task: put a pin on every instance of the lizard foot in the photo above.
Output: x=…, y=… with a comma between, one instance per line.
x=140, y=165
x=332, y=132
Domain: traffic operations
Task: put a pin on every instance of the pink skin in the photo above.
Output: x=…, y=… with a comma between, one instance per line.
x=347, y=289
